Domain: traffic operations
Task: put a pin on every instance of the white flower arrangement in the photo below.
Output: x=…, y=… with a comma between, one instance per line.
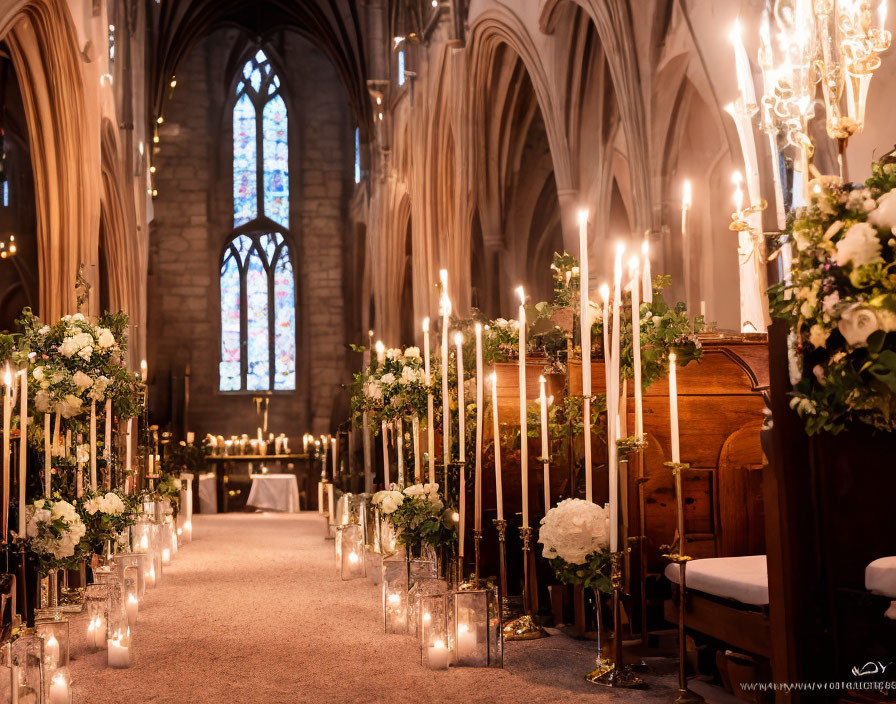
x=841, y=304
x=53, y=529
x=387, y=501
x=109, y=504
x=573, y=530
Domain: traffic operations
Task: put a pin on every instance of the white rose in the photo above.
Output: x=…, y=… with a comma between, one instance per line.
x=373, y=391
x=859, y=246
x=885, y=213
x=83, y=339
x=105, y=338
x=856, y=324
x=394, y=353
x=78, y=317
x=85, y=353
x=82, y=453
x=830, y=302
x=38, y=373
x=92, y=506
x=81, y=380
x=388, y=378
x=412, y=353
x=409, y=375
x=44, y=330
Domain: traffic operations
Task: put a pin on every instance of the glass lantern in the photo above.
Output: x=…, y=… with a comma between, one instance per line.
x=352, y=542
x=395, y=595
x=435, y=644
x=96, y=608
x=131, y=572
x=26, y=668
x=110, y=578
x=57, y=677
x=157, y=544
x=422, y=587
x=475, y=625
x=141, y=536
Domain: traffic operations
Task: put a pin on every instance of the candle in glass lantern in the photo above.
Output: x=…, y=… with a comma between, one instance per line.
x=524, y=425
x=330, y=503
x=466, y=642
x=59, y=690
x=673, y=408
x=477, y=489
x=132, y=606
x=23, y=448
x=545, y=451
x=499, y=491
x=118, y=653
x=430, y=411
x=445, y=312
x=437, y=656
x=585, y=329
x=51, y=652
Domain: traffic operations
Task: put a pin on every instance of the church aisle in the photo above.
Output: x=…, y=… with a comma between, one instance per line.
x=253, y=611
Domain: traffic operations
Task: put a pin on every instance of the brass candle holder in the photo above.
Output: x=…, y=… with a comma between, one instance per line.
x=685, y=695
x=617, y=674
x=477, y=539
x=501, y=526
x=524, y=627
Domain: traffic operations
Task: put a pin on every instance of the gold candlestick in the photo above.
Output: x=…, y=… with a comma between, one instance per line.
x=501, y=526
x=477, y=538
x=619, y=675
x=524, y=627
x=685, y=695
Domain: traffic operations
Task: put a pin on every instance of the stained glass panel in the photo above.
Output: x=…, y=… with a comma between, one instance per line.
x=257, y=280
x=276, y=162
x=258, y=332
x=229, y=369
x=245, y=163
x=284, y=323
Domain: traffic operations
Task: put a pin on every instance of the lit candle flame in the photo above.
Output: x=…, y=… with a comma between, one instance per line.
x=583, y=216
x=521, y=294
x=458, y=338
x=686, y=195
x=426, y=325
x=737, y=179
x=605, y=292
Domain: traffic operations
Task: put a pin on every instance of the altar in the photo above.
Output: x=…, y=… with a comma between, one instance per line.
x=234, y=476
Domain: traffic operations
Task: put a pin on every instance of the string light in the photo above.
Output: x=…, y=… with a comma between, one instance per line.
x=8, y=250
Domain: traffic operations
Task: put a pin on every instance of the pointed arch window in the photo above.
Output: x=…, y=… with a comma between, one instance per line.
x=258, y=330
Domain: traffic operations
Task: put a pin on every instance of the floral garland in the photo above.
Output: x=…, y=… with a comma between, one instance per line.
x=576, y=537
x=419, y=516
x=841, y=304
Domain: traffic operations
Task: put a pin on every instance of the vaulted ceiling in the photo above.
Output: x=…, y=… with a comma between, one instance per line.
x=335, y=26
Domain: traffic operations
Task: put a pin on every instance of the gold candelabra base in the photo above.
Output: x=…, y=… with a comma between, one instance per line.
x=523, y=628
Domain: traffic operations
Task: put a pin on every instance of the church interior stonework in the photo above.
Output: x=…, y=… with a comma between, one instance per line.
x=445, y=350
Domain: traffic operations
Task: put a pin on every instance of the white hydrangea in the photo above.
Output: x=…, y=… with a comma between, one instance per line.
x=574, y=529
x=859, y=246
x=388, y=378
x=412, y=353
x=885, y=213
x=372, y=390
x=69, y=407
x=81, y=380
x=409, y=375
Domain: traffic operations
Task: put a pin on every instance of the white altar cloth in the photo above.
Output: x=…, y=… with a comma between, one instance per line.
x=208, y=493
x=274, y=492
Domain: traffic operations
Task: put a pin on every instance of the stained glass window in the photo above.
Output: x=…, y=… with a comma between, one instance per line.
x=357, y=155
x=258, y=303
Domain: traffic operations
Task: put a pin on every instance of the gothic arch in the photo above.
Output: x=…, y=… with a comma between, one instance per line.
x=122, y=250
x=65, y=153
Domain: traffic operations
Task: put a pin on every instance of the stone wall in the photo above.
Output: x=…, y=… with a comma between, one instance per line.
x=193, y=223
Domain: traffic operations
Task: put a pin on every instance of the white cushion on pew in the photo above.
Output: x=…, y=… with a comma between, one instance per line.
x=880, y=576
x=741, y=579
